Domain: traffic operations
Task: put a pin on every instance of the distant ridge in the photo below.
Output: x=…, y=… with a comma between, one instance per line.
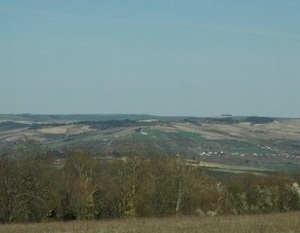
x=71, y=117
x=58, y=118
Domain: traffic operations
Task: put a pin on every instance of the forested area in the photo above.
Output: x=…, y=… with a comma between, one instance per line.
x=34, y=188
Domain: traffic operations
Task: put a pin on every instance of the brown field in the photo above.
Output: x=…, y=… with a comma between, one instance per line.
x=287, y=129
x=283, y=222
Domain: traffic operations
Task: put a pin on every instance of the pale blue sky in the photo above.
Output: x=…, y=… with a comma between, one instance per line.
x=161, y=57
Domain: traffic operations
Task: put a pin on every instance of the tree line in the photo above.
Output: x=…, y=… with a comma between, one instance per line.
x=34, y=188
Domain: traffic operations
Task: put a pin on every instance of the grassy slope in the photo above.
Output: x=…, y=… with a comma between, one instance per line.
x=285, y=222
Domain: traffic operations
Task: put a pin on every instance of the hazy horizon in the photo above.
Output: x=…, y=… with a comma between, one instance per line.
x=159, y=57
x=141, y=114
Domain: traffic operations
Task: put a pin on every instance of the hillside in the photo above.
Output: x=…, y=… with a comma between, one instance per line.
x=250, y=141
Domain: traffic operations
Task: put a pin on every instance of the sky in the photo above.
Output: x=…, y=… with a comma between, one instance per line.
x=159, y=57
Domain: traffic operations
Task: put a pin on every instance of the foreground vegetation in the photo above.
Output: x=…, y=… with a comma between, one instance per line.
x=267, y=223
x=37, y=188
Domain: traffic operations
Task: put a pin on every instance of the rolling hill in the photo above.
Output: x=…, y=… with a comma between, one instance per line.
x=249, y=141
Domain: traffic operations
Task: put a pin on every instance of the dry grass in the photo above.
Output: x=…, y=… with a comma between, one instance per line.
x=286, y=222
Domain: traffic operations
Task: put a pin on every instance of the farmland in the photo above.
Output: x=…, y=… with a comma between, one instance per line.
x=243, y=141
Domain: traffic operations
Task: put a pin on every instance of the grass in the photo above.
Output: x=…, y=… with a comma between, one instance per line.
x=283, y=167
x=283, y=222
x=232, y=167
x=189, y=136
x=150, y=135
x=159, y=135
x=252, y=150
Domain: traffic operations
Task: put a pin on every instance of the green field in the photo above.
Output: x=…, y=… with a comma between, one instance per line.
x=252, y=150
x=189, y=136
x=149, y=134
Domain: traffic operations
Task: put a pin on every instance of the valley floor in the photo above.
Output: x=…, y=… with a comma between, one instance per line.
x=283, y=222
